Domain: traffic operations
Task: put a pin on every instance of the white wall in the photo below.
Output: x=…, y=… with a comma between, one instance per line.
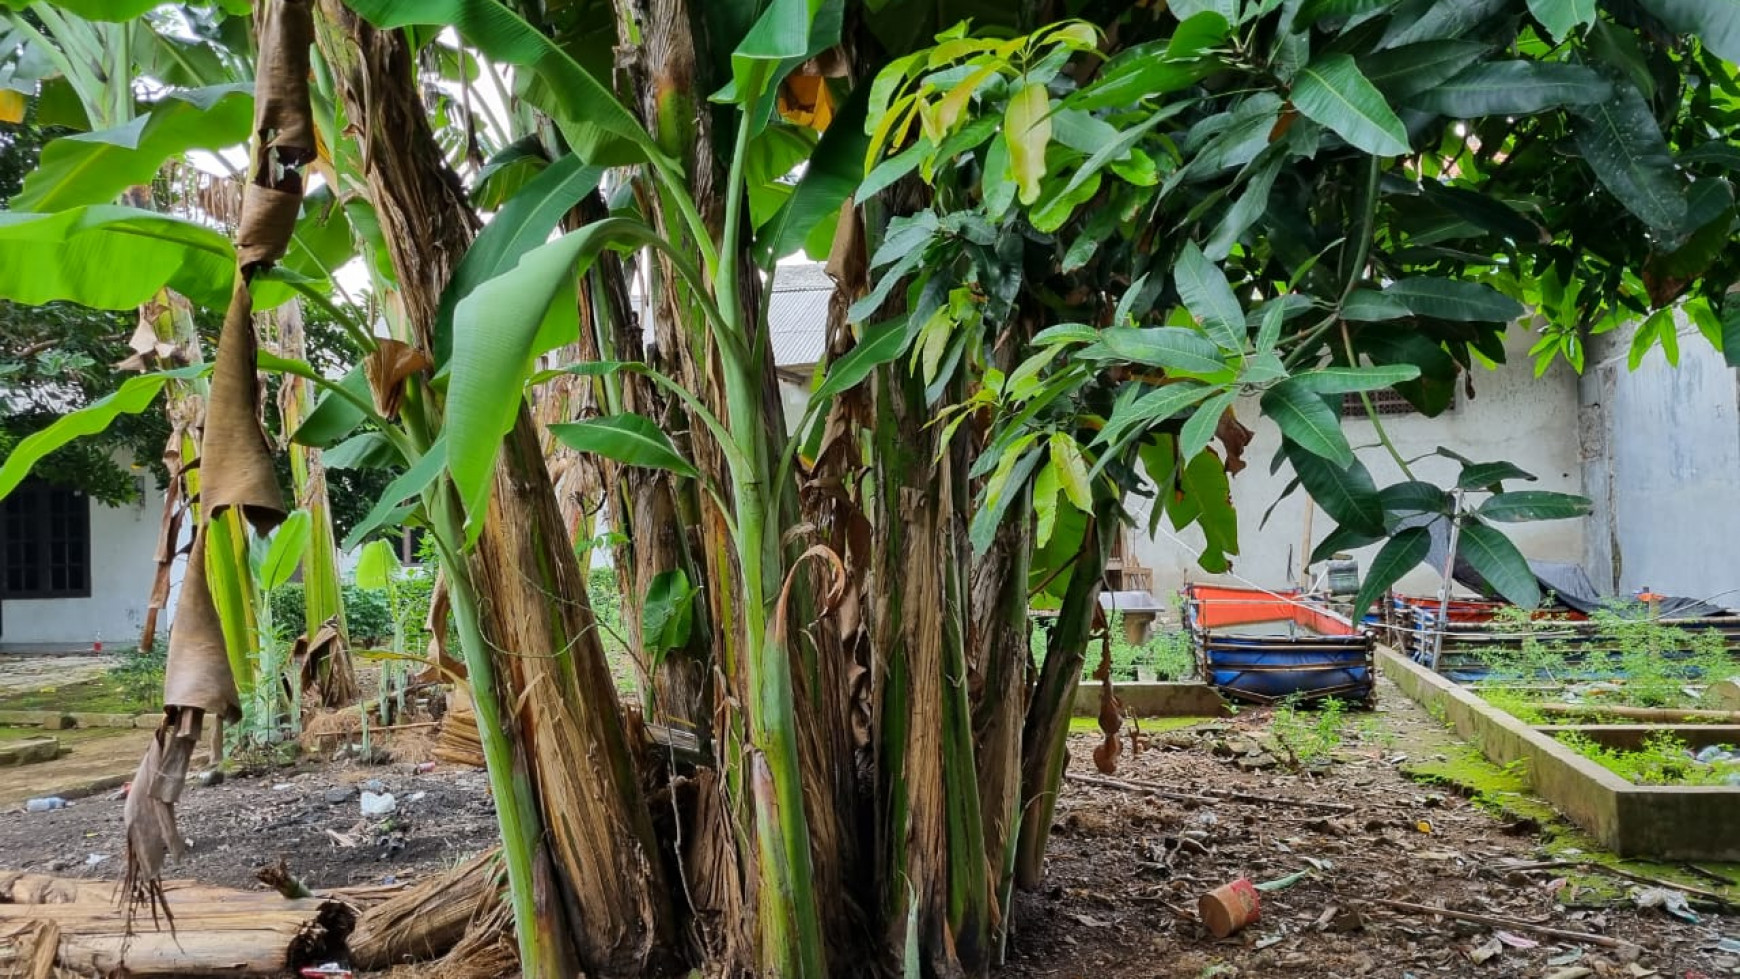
x=123, y=547
x=1663, y=450
x=1513, y=416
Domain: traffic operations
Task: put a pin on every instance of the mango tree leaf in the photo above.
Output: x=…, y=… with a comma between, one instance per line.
x=1372, y=306
x=1731, y=336
x=1151, y=408
x=289, y=543
x=1339, y=540
x=94, y=168
x=1203, y=287
x=1071, y=471
x=1415, y=68
x=495, y=329
x=1204, y=483
x=1350, y=380
x=628, y=438
x=1497, y=560
x=1715, y=22
x=1439, y=21
x=667, y=615
x=1332, y=91
x=1199, y=429
x=881, y=344
x=377, y=565
x=1454, y=299
x=133, y=396
x=1027, y=132
x=1413, y=498
x=1315, y=10
x=1045, y=490
x=1346, y=493
x=111, y=257
x=1489, y=475
x=1622, y=143
x=598, y=127
x=1172, y=347
x=1007, y=481
x=412, y=482
x=1400, y=555
x=1308, y=421
x=1523, y=87
x=522, y=224
x=1561, y=17
x=1523, y=505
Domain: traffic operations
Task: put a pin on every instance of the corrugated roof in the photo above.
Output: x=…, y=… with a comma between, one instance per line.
x=798, y=314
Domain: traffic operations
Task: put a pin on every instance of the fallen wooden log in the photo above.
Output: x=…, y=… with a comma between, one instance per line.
x=429, y=918
x=216, y=931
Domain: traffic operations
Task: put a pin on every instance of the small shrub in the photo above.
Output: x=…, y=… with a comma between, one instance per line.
x=1663, y=760
x=1308, y=739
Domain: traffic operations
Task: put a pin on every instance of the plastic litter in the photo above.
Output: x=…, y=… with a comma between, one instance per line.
x=45, y=804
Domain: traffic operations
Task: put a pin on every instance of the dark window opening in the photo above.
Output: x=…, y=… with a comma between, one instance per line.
x=45, y=542
x=1385, y=402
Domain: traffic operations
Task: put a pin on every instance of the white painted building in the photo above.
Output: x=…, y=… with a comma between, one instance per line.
x=74, y=571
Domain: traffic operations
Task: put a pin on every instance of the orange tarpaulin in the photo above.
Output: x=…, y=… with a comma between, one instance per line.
x=1220, y=606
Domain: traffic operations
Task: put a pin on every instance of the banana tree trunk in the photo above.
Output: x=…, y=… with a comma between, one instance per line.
x=325, y=641
x=1044, y=741
x=931, y=854
x=536, y=633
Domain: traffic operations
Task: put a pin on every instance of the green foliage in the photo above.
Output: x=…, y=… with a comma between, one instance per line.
x=1166, y=654
x=1664, y=759
x=1308, y=739
x=1631, y=660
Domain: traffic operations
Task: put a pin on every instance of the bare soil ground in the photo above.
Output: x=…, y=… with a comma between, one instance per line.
x=1125, y=869
x=310, y=817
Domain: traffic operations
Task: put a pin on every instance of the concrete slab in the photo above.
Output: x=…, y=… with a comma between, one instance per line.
x=1664, y=821
x=29, y=751
x=1151, y=699
x=51, y=720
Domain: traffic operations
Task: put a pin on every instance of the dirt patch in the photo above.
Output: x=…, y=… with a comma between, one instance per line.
x=1125, y=870
x=310, y=817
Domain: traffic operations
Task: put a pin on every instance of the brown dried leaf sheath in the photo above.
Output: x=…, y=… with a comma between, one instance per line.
x=235, y=458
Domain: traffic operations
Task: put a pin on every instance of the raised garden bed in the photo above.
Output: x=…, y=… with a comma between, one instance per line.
x=1677, y=822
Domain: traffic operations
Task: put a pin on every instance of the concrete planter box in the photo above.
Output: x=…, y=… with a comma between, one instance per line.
x=1146, y=698
x=1693, y=822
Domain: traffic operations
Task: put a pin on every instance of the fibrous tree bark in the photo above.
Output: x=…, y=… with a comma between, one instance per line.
x=606, y=907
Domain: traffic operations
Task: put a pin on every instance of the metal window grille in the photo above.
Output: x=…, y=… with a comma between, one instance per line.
x=1385, y=402
x=45, y=542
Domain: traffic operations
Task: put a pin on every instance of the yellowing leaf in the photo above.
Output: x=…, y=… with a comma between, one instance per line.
x=1027, y=130
x=1071, y=469
x=11, y=106
x=949, y=110
x=1045, y=504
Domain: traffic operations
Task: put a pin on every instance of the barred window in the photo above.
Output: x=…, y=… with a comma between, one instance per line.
x=1385, y=402
x=45, y=542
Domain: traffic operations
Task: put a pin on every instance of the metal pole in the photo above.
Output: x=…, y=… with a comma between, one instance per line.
x=1449, y=572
